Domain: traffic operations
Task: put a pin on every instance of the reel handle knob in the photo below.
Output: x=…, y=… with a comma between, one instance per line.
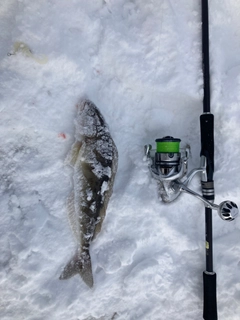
x=228, y=210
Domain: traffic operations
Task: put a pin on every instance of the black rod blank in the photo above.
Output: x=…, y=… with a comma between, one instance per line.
x=205, y=55
x=207, y=150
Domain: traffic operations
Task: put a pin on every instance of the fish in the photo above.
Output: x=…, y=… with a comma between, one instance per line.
x=94, y=159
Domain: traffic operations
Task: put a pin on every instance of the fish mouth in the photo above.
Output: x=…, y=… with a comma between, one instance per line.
x=83, y=103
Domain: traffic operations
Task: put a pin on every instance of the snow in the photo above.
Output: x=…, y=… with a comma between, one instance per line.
x=140, y=63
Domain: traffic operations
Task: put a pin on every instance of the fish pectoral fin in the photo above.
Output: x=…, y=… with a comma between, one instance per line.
x=73, y=153
x=81, y=264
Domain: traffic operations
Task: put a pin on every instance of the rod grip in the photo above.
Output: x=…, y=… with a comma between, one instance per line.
x=207, y=142
x=210, y=296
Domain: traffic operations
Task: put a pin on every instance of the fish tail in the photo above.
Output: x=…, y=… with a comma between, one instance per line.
x=80, y=263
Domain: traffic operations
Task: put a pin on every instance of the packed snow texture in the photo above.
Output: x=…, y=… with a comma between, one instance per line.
x=140, y=63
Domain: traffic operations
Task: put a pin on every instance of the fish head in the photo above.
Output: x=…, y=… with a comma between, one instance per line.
x=89, y=121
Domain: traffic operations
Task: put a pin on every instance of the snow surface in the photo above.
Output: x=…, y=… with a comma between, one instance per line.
x=140, y=63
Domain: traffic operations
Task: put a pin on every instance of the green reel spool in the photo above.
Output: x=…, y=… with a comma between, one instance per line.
x=168, y=145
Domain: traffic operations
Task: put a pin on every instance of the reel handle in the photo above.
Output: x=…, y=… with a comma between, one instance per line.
x=227, y=210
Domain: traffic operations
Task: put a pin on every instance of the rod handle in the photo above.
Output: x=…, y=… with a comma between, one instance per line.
x=210, y=296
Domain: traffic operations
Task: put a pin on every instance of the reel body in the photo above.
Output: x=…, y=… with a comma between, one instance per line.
x=168, y=164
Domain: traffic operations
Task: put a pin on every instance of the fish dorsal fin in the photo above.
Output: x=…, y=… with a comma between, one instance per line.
x=72, y=215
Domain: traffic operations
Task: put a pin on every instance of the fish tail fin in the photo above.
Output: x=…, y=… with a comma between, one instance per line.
x=81, y=264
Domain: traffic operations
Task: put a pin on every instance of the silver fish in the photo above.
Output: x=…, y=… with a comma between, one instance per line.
x=94, y=159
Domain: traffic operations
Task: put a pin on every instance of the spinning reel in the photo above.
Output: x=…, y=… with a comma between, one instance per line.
x=169, y=165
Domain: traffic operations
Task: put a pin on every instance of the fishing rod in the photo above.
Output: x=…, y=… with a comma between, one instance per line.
x=168, y=164
x=207, y=151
